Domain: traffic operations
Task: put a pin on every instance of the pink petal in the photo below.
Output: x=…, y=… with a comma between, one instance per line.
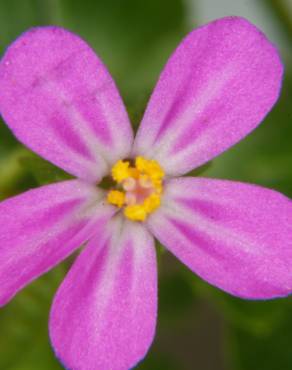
x=59, y=100
x=104, y=313
x=217, y=87
x=234, y=235
x=43, y=226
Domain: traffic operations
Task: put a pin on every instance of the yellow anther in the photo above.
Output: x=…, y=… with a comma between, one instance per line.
x=133, y=172
x=120, y=171
x=157, y=185
x=151, y=203
x=141, y=186
x=150, y=168
x=141, y=164
x=116, y=197
x=135, y=212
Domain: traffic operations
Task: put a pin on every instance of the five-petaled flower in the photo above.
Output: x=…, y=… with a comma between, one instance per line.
x=59, y=100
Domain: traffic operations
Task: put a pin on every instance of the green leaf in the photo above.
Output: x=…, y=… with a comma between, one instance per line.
x=176, y=297
x=258, y=333
x=134, y=38
x=256, y=316
x=43, y=171
x=14, y=179
x=269, y=350
x=17, y=16
x=24, y=339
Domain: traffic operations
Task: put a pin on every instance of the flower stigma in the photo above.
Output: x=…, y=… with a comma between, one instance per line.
x=139, y=187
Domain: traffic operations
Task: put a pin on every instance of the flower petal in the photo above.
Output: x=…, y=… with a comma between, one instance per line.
x=59, y=100
x=43, y=226
x=217, y=87
x=104, y=313
x=234, y=235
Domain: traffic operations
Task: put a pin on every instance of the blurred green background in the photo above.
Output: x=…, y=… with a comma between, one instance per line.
x=199, y=327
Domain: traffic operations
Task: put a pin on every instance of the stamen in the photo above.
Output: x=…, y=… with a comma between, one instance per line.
x=135, y=213
x=120, y=171
x=141, y=187
x=116, y=198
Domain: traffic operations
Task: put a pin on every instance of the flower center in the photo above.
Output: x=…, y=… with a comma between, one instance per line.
x=139, y=187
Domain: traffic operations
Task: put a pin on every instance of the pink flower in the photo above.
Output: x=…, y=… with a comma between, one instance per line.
x=59, y=100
